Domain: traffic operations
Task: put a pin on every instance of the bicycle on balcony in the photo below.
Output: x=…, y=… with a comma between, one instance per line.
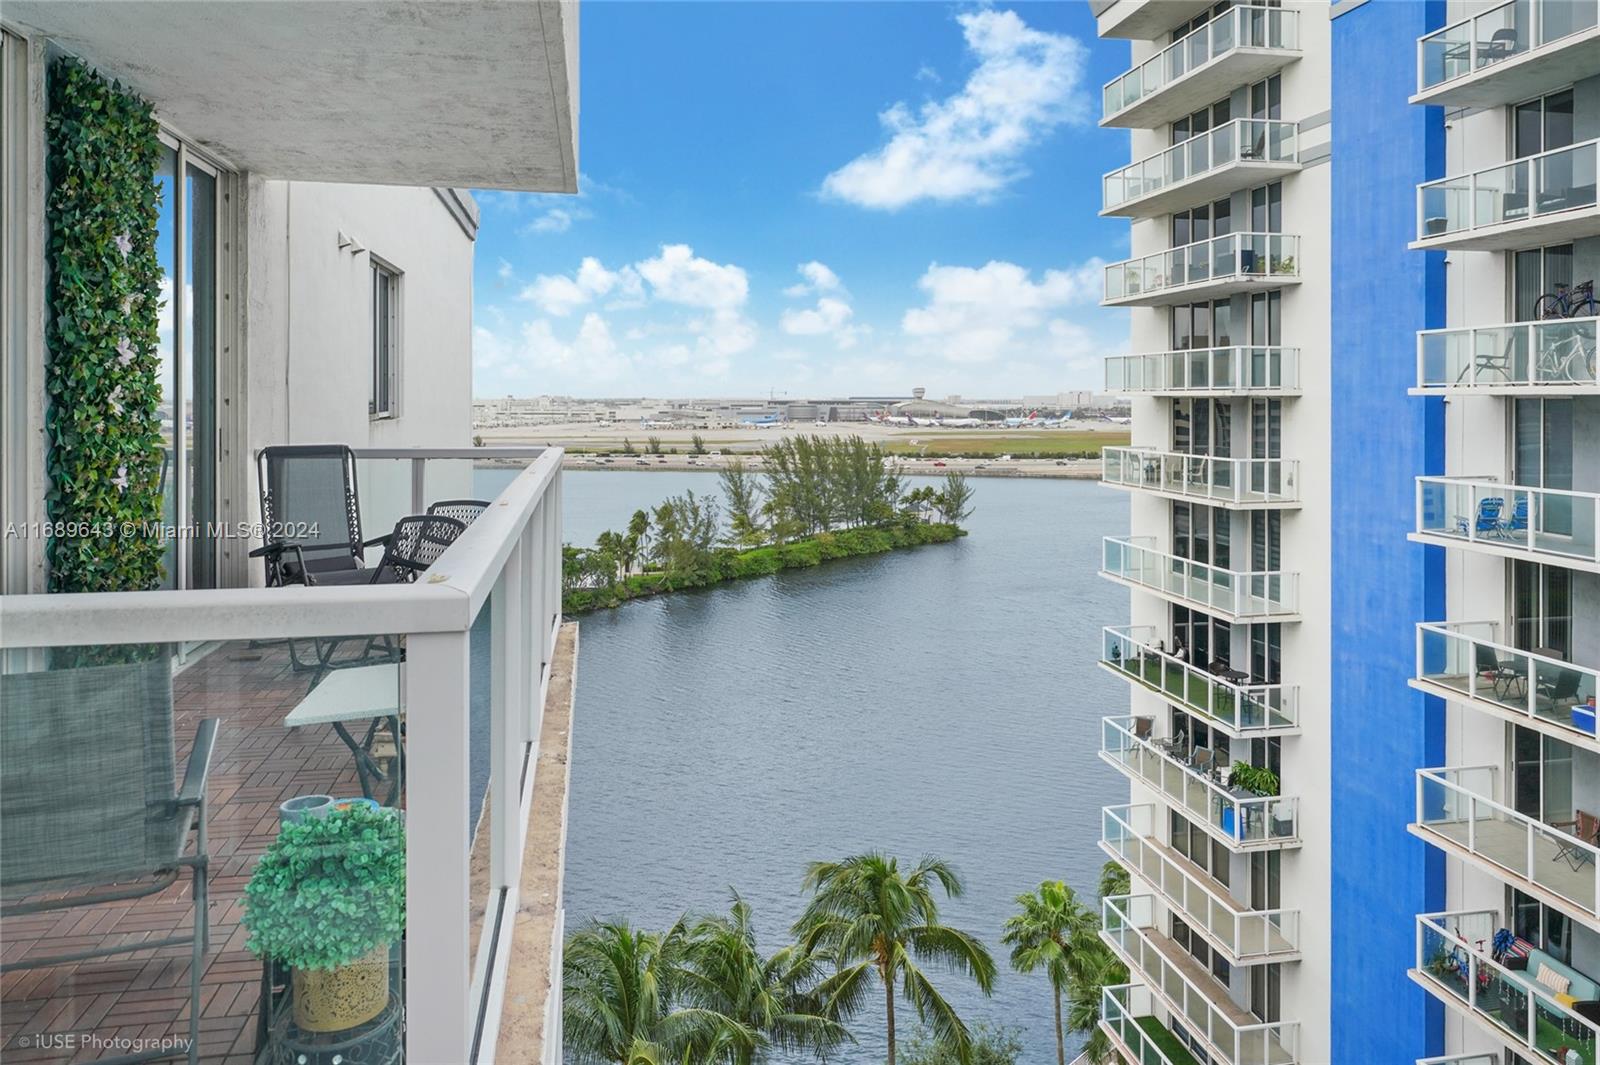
x=1576, y=301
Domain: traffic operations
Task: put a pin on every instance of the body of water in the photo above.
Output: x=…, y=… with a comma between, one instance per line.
x=939, y=701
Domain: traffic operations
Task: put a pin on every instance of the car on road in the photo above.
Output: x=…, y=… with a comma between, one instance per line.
x=941, y=462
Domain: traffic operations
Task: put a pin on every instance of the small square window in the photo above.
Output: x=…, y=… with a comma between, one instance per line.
x=381, y=402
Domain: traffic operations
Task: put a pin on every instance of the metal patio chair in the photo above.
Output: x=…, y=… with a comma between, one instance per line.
x=1586, y=827
x=463, y=510
x=415, y=544
x=311, y=516
x=89, y=811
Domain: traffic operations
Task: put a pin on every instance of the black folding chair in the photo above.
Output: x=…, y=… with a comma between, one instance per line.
x=311, y=516
x=464, y=510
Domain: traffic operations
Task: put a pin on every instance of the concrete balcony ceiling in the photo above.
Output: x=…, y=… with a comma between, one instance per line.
x=1143, y=20
x=396, y=92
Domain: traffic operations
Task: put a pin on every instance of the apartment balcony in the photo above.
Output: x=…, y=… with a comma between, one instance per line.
x=446, y=702
x=1512, y=521
x=1143, y=20
x=1227, y=699
x=1457, y=810
x=1464, y=662
x=1238, y=47
x=1221, y=266
x=1229, y=594
x=1491, y=1058
x=1228, y=1033
x=1243, y=936
x=1128, y=1017
x=1555, y=357
x=1224, y=371
x=1236, y=155
x=1247, y=484
x=1547, y=198
x=1455, y=964
x=1509, y=53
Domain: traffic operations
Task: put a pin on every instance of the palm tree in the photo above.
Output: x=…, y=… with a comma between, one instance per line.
x=1053, y=932
x=770, y=996
x=1114, y=880
x=872, y=919
x=1099, y=969
x=620, y=987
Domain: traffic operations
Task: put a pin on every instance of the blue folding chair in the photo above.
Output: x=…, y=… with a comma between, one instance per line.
x=1519, y=519
x=1487, y=521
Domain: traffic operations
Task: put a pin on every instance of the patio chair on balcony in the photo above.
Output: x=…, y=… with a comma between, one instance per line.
x=1586, y=827
x=1486, y=522
x=311, y=516
x=1561, y=691
x=1502, y=45
x=1508, y=680
x=1518, y=522
x=465, y=511
x=90, y=814
x=415, y=544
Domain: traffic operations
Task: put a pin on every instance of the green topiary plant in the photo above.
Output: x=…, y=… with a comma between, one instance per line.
x=329, y=889
x=1260, y=780
x=102, y=377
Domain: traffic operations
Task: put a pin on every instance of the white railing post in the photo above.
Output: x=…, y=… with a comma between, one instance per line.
x=531, y=653
x=506, y=724
x=438, y=946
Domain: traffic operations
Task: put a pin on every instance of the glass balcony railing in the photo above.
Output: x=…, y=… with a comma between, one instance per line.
x=1556, y=353
x=1242, y=818
x=1462, y=1059
x=1243, y=140
x=1224, y=369
x=1219, y=481
x=1233, y=1036
x=1465, y=659
x=1501, y=33
x=1240, y=27
x=1521, y=191
x=1455, y=962
x=1546, y=522
x=1234, y=257
x=1127, y=1014
x=1227, y=698
x=1247, y=936
x=1240, y=595
x=1457, y=808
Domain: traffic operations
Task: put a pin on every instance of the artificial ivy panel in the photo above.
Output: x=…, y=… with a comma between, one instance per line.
x=102, y=377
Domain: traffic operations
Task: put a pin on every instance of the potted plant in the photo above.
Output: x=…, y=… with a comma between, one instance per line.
x=327, y=899
x=1256, y=780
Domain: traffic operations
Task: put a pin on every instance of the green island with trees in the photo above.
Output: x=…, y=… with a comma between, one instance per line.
x=816, y=499
x=703, y=992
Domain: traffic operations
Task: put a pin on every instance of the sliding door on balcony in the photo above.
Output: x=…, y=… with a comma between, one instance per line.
x=1542, y=457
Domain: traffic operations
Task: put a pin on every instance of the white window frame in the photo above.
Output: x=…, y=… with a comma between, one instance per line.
x=385, y=273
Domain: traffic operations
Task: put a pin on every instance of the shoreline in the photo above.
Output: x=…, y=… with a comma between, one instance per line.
x=1047, y=469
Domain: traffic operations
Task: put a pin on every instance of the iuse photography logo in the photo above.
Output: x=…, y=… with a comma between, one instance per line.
x=102, y=1044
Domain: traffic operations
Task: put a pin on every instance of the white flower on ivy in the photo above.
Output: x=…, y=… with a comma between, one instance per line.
x=121, y=479
x=115, y=399
x=127, y=306
x=125, y=352
x=124, y=244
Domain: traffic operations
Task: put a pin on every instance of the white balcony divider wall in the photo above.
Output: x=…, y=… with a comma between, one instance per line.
x=508, y=562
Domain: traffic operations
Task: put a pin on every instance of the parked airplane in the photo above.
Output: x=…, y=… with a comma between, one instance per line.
x=1023, y=423
x=761, y=421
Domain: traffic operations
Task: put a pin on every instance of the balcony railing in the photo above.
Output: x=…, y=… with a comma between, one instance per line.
x=1240, y=27
x=1230, y=702
x=1127, y=1015
x=1226, y=370
x=1457, y=809
x=1237, y=594
x=1528, y=189
x=1455, y=962
x=1245, y=936
x=1208, y=478
x=1546, y=523
x=1237, y=257
x=1463, y=1059
x=1240, y=818
x=1501, y=33
x=1243, y=140
x=1558, y=353
x=1466, y=661
x=1232, y=1036
x=463, y=657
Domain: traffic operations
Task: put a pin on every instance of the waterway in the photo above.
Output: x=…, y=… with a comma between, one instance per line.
x=942, y=700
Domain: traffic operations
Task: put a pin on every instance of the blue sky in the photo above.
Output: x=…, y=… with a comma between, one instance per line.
x=815, y=198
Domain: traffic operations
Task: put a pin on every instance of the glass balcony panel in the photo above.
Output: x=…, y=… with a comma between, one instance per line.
x=1500, y=34
x=1541, y=185
x=1565, y=179
x=1446, y=54
x=1539, y=521
x=1446, y=206
x=1256, y=27
x=1253, y=140
x=1562, y=18
x=1557, y=352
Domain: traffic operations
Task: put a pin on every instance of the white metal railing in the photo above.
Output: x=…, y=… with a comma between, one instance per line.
x=1121, y=1006
x=507, y=561
x=1232, y=701
x=1455, y=958
x=1468, y=659
x=1542, y=521
x=1536, y=186
x=550, y=1051
x=1246, y=26
x=1456, y=804
x=1237, y=593
x=1225, y=369
x=1248, y=936
x=1236, y=256
x=1501, y=33
x=1490, y=1058
x=1242, y=140
x=1124, y=921
x=1556, y=352
x=1208, y=478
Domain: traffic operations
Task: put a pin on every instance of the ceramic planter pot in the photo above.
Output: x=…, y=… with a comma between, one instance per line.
x=332, y=1000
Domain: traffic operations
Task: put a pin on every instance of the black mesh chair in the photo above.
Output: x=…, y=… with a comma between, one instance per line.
x=415, y=544
x=463, y=510
x=91, y=812
x=311, y=514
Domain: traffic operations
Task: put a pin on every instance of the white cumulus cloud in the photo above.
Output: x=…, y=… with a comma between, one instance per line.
x=968, y=146
x=832, y=314
x=678, y=275
x=977, y=314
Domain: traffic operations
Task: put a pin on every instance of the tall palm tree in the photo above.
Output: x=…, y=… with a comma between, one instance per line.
x=1055, y=932
x=772, y=996
x=1100, y=969
x=874, y=920
x=1114, y=880
x=620, y=987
